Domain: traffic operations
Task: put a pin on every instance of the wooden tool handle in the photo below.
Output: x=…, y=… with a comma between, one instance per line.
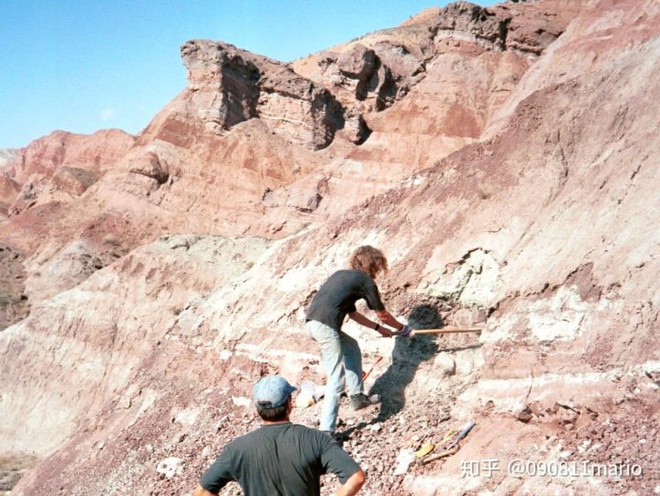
x=447, y=330
x=442, y=454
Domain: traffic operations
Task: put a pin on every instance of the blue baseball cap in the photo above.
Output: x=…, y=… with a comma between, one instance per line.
x=272, y=391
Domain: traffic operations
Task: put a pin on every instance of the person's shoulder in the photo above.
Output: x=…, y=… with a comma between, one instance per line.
x=342, y=276
x=354, y=273
x=247, y=438
x=363, y=277
x=303, y=430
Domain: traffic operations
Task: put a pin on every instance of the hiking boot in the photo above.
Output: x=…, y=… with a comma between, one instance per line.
x=361, y=400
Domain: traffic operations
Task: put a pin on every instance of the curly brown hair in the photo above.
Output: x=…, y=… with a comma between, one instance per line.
x=370, y=260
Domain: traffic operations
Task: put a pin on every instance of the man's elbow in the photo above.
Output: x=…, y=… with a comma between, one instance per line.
x=360, y=478
x=200, y=491
x=383, y=315
x=353, y=484
x=386, y=317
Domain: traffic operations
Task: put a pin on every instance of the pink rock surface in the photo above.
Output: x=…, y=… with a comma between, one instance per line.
x=503, y=158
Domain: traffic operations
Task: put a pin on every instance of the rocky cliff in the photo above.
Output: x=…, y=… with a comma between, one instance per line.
x=505, y=160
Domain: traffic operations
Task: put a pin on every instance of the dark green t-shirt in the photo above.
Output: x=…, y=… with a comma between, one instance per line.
x=337, y=296
x=281, y=459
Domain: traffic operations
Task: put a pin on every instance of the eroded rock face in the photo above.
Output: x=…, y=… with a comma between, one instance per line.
x=436, y=80
x=61, y=166
x=538, y=225
x=98, y=151
x=9, y=190
x=13, y=300
x=228, y=86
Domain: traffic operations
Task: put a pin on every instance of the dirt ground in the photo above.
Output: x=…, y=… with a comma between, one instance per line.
x=12, y=469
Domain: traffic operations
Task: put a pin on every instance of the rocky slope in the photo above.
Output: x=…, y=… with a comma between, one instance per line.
x=504, y=158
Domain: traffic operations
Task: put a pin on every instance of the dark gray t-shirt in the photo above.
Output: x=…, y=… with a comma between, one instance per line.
x=337, y=296
x=281, y=459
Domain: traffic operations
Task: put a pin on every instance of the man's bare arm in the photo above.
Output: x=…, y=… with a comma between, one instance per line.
x=364, y=321
x=352, y=485
x=387, y=318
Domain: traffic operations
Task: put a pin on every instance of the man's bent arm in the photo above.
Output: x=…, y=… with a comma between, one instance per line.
x=362, y=320
x=387, y=318
x=200, y=491
x=352, y=485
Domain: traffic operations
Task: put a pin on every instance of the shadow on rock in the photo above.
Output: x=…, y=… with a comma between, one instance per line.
x=407, y=355
x=425, y=317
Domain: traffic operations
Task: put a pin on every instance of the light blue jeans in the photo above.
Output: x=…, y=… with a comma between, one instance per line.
x=341, y=359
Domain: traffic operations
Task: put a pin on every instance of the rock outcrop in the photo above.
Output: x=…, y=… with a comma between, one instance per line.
x=227, y=86
x=62, y=165
x=504, y=159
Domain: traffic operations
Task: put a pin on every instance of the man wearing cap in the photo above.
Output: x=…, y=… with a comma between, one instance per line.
x=280, y=457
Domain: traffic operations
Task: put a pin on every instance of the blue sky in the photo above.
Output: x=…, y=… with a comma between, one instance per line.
x=85, y=65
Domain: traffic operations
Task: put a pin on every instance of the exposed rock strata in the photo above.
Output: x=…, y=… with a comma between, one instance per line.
x=62, y=166
x=229, y=86
x=540, y=223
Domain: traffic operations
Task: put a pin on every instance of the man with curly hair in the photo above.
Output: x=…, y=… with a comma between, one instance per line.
x=341, y=357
